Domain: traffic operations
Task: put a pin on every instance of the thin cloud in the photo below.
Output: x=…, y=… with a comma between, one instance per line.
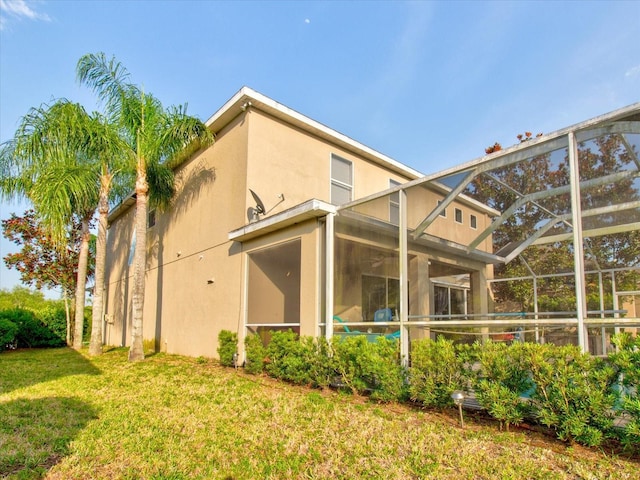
x=18, y=10
x=633, y=72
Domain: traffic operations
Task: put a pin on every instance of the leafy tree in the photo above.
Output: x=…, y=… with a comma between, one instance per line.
x=155, y=137
x=40, y=262
x=503, y=186
x=23, y=297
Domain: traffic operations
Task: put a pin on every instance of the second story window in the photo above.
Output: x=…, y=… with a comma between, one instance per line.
x=458, y=215
x=341, y=180
x=443, y=212
x=151, y=218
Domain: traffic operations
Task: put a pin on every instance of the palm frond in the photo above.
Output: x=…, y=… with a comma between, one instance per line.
x=12, y=184
x=161, y=185
x=108, y=78
x=61, y=192
x=184, y=136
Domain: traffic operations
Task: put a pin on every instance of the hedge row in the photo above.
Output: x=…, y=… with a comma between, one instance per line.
x=574, y=394
x=20, y=328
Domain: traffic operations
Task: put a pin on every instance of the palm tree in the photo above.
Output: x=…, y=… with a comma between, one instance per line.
x=52, y=161
x=156, y=139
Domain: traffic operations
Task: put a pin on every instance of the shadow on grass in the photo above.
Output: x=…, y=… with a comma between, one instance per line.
x=23, y=368
x=35, y=433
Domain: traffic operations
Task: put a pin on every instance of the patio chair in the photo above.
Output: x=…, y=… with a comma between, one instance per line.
x=386, y=315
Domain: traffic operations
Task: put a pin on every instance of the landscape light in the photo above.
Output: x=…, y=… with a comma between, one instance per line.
x=458, y=397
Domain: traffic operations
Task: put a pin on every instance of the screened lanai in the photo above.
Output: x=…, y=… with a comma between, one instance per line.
x=537, y=242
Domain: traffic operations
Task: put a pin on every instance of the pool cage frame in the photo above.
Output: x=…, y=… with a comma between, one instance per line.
x=569, y=227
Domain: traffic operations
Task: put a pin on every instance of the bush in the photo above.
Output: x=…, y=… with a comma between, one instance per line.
x=8, y=331
x=322, y=370
x=55, y=319
x=573, y=393
x=304, y=361
x=501, y=379
x=32, y=332
x=436, y=372
x=255, y=354
x=372, y=368
x=286, y=358
x=227, y=347
x=626, y=361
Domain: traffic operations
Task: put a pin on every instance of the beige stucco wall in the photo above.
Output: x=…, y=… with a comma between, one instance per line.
x=195, y=274
x=421, y=202
x=284, y=160
x=186, y=248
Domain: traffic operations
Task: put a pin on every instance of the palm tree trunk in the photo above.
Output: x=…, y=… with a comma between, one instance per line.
x=95, y=346
x=83, y=261
x=136, y=352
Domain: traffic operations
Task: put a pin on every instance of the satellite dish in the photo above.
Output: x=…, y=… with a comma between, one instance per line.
x=259, y=205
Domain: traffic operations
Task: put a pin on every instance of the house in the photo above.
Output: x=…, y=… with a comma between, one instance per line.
x=260, y=237
x=285, y=223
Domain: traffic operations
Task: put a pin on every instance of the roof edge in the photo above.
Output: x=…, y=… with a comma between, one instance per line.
x=313, y=208
x=247, y=97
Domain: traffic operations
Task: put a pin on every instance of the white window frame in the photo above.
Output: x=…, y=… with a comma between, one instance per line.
x=473, y=221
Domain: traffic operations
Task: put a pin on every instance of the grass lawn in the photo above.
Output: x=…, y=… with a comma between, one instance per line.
x=66, y=416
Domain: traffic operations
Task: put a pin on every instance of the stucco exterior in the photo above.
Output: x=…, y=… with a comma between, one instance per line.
x=210, y=254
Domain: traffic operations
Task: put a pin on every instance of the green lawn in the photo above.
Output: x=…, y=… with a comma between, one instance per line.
x=65, y=416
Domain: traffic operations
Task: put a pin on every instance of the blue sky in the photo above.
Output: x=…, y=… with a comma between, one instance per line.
x=430, y=84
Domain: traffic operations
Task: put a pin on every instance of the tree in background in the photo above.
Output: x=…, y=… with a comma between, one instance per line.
x=23, y=297
x=501, y=187
x=156, y=138
x=40, y=261
x=37, y=322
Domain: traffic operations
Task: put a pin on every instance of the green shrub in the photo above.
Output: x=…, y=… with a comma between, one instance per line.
x=32, y=332
x=436, y=372
x=227, y=347
x=502, y=377
x=631, y=434
x=8, y=331
x=255, y=354
x=86, y=326
x=304, y=361
x=55, y=319
x=286, y=358
x=372, y=368
x=626, y=361
x=321, y=364
x=573, y=393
